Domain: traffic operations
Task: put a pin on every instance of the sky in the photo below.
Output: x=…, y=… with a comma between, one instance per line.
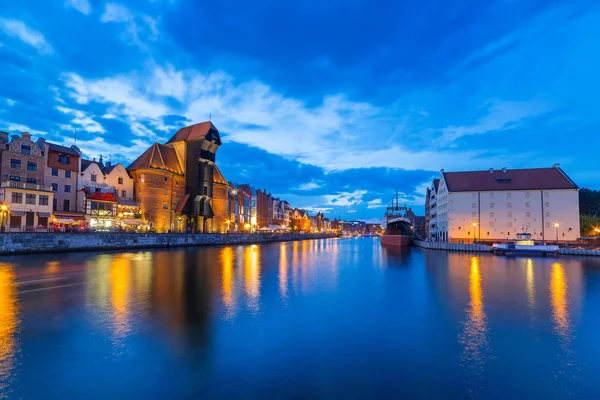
x=332, y=105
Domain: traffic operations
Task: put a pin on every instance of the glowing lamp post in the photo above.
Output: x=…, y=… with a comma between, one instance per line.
x=474, y=227
x=556, y=226
x=3, y=212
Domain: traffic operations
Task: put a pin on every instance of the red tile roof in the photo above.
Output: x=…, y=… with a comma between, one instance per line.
x=515, y=179
x=158, y=156
x=196, y=131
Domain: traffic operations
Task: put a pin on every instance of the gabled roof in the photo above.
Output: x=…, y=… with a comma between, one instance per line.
x=515, y=179
x=193, y=132
x=62, y=149
x=158, y=156
x=436, y=184
x=86, y=163
x=218, y=177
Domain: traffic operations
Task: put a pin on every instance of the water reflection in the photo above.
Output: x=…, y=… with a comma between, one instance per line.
x=283, y=270
x=530, y=285
x=120, y=286
x=559, y=302
x=9, y=325
x=474, y=336
x=227, y=278
x=252, y=276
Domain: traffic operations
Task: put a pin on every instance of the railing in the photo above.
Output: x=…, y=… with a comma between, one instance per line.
x=26, y=186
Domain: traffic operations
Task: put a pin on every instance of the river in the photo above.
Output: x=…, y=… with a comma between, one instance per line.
x=332, y=318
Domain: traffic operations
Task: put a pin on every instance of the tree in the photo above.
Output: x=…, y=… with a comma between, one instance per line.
x=588, y=225
x=589, y=202
x=293, y=224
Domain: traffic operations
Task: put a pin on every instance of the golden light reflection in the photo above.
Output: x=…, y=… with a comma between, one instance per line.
x=52, y=267
x=120, y=284
x=227, y=285
x=530, y=284
x=252, y=275
x=474, y=336
x=9, y=324
x=558, y=294
x=283, y=270
x=295, y=266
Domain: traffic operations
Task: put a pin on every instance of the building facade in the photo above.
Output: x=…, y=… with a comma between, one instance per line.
x=28, y=201
x=432, y=209
x=495, y=205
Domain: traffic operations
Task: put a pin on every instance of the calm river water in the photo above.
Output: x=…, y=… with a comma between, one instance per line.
x=335, y=318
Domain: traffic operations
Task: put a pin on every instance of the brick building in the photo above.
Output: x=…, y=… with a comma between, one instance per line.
x=220, y=221
x=22, y=189
x=264, y=208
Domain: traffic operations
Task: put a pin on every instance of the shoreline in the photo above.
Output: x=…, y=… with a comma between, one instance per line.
x=39, y=243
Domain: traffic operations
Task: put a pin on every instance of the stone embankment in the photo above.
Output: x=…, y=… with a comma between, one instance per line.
x=482, y=248
x=22, y=243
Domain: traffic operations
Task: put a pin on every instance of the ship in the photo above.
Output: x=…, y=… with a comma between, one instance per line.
x=398, y=228
x=524, y=245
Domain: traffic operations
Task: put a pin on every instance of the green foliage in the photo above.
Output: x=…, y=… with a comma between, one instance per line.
x=293, y=224
x=589, y=224
x=589, y=202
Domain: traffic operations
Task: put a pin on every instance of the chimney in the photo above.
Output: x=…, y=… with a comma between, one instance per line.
x=504, y=169
x=491, y=170
x=442, y=170
x=556, y=165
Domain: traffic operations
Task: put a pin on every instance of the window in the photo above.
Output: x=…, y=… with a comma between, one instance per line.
x=528, y=214
x=491, y=224
x=17, y=198
x=510, y=224
x=25, y=149
x=527, y=195
x=473, y=205
x=43, y=200
x=491, y=205
x=15, y=178
x=67, y=174
x=547, y=214
x=491, y=214
x=98, y=190
x=15, y=163
x=527, y=205
x=547, y=224
x=509, y=205
x=67, y=188
x=120, y=181
x=509, y=214
x=54, y=172
x=63, y=158
x=31, y=166
x=528, y=225
x=123, y=193
x=66, y=205
x=93, y=177
x=165, y=206
x=546, y=194
x=54, y=187
x=30, y=198
x=474, y=214
x=491, y=195
x=508, y=195
x=474, y=195
x=33, y=181
x=546, y=204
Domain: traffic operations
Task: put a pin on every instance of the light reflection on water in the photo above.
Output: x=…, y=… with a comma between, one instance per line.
x=217, y=310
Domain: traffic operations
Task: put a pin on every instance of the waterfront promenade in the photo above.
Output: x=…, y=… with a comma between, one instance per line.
x=23, y=243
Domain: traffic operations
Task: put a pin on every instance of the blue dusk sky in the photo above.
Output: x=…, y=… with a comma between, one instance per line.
x=331, y=105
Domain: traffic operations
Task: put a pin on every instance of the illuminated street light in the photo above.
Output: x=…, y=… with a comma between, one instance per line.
x=556, y=225
x=474, y=226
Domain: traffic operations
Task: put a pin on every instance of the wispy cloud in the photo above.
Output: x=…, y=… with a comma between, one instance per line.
x=344, y=198
x=139, y=28
x=83, y=6
x=18, y=29
x=83, y=120
x=309, y=186
x=376, y=203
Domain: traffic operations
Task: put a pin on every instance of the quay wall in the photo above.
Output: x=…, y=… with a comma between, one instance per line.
x=23, y=243
x=481, y=248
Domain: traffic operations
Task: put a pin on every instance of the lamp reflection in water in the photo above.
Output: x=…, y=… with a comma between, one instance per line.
x=559, y=301
x=474, y=336
x=9, y=325
x=120, y=286
x=530, y=285
x=252, y=276
x=227, y=277
x=283, y=270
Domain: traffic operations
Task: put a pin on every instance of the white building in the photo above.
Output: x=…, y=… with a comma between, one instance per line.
x=495, y=205
x=433, y=220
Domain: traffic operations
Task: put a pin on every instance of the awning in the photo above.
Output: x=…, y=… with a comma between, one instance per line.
x=17, y=213
x=132, y=221
x=182, y=203
x=69, y=216
x=64, y=221
x=44, y=214
x=127, y=202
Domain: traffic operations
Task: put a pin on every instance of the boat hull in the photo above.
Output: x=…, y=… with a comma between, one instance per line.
x=396, y=240
x=525, y=250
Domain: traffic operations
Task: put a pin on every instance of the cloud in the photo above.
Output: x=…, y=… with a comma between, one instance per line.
x=376, y=203
x=120, y=153
x=139, y=28
x=344, y=198
x=82, y=119
x=18, y=29
x=308, y=186
x=10, y=102
x=83, y=6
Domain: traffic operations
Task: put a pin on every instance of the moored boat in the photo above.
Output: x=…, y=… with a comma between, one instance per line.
x=398, y=228
x=524, y=245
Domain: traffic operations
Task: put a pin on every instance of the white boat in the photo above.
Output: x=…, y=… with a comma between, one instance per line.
x=524, y=245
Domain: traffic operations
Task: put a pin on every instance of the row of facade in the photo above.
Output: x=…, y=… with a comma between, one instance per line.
x=175, y=186
x=495, y=205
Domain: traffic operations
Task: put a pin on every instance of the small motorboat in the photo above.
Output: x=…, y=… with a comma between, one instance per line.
x=524, y=245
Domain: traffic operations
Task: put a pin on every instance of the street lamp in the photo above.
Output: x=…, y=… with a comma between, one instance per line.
x=3, y=209
x=474, y=226
x=556, y=226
